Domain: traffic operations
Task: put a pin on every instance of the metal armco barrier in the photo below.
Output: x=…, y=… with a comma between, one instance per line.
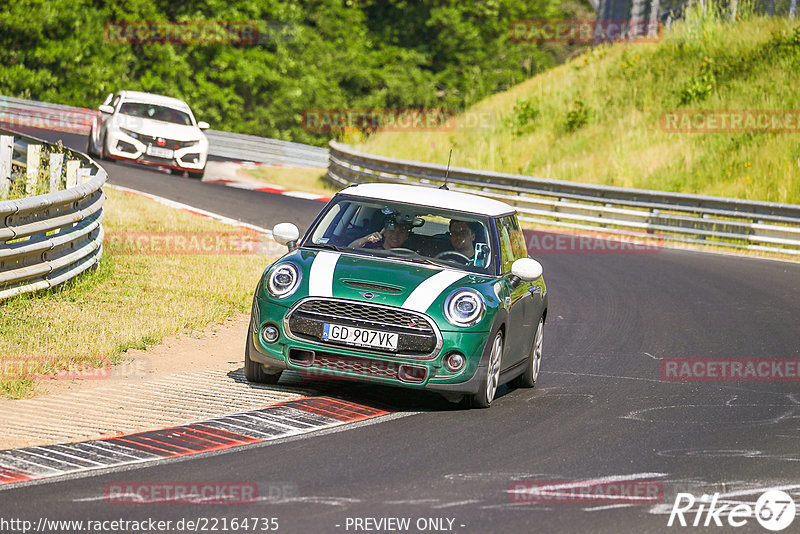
x=49, y=238
x=729, y=222
x=20, y=112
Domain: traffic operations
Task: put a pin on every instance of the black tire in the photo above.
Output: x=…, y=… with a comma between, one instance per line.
x=528, y=378
x=197, y=175
x=103, y=152
x=89, y=151
x=491, y=381
x=254, y=371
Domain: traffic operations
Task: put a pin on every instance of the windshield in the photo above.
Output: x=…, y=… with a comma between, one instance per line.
x=407, y=232
x=158, y=113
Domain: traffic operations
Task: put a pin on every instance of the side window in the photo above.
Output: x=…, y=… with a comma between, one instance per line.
x=512, y=242
x=506, y=249
x=518, y=244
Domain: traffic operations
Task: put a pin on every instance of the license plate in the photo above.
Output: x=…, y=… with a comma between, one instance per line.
x=159, y=152
x=362, y=337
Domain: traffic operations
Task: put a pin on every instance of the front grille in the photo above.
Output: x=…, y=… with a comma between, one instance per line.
x=416, y=336
x=373, y=287
x=325, y=363
x=169, y=143
x=334, y=362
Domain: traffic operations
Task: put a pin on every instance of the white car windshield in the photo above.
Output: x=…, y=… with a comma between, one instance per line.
x=407, y=232
x=155, y=112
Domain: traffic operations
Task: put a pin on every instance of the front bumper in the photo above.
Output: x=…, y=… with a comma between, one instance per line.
x=322, y=360
x=120, y=145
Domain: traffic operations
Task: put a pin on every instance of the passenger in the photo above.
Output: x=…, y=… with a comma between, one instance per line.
x=392, y=236
x=462, y=237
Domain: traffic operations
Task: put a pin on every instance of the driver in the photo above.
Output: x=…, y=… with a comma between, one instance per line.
x=393, y=235
x=462, y=237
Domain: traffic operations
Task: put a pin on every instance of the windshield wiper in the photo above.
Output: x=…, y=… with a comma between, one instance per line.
x=326, y=246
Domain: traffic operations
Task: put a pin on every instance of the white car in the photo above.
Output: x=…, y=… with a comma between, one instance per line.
x=150, y=129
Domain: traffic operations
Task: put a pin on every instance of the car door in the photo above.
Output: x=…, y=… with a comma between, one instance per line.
x=521, y=300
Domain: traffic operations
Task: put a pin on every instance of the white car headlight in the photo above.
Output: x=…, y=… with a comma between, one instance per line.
x=464, y=307
x=283, y=280
x=130, y=133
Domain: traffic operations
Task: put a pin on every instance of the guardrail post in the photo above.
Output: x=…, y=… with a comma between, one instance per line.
x=72, y=173
x=6, y=155
x=32, y=171
x=56, y=166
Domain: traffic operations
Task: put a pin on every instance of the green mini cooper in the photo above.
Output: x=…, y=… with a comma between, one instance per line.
x=407, y=286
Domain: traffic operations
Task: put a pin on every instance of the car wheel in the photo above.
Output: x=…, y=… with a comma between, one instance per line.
x=89, y=143
x=197, y=175
x=528, y=378
x=484, y=397
x=103, y=151
x=254, y=371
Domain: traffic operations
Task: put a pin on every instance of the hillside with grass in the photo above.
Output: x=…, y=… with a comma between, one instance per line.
x=598, y=118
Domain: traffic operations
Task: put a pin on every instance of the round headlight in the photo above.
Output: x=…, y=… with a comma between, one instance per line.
x=464, y=307
x=283, y=280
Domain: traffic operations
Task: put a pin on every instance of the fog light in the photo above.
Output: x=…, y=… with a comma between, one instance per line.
x=269, y=333
x=454, y=362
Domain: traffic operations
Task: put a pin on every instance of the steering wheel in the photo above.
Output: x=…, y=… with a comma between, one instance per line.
x=453, y=255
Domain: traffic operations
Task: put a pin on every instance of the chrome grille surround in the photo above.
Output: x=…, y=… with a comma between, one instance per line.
x=367, y=315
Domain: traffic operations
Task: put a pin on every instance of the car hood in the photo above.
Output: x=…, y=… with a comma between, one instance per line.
x=390, y=282
x=167, y=130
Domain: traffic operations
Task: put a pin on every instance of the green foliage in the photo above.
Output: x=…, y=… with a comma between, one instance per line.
x=577, y=116
x=310, y=54
x=523, y=116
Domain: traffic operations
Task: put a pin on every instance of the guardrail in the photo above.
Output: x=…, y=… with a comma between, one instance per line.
x=21, y=112
x=49, y=238
x=728, y=222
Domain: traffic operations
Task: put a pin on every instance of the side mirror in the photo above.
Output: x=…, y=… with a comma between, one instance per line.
x=526, y=269
x=105, y=108
x=286, y=234
x=203, y=125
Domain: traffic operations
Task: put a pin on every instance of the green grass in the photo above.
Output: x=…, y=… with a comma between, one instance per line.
x=596, y=119
x=131, y=300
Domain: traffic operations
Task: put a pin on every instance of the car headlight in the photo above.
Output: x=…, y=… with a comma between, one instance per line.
x=464, y=307
x=283, y=280
x=130, y=133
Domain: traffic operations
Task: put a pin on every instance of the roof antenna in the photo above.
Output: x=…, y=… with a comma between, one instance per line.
x=447, y=173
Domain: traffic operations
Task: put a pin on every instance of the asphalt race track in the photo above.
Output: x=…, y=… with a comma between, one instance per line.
x=601, y=409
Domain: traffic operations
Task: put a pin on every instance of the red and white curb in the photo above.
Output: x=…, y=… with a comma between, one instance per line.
x=290, y=418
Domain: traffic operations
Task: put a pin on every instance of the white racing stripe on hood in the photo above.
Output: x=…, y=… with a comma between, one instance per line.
x=422, y=297
x=320, y=276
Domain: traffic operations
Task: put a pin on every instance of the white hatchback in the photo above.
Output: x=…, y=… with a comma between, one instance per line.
x=150, y=129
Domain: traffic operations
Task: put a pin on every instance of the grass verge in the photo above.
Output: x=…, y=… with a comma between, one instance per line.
x=308, y=180
x=598, y=118
x=133, y=298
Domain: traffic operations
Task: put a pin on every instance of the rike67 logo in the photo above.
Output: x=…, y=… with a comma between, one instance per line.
x=774, y=510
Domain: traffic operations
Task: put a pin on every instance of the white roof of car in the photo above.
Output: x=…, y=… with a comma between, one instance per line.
x=431, y=197
x=150, y=98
